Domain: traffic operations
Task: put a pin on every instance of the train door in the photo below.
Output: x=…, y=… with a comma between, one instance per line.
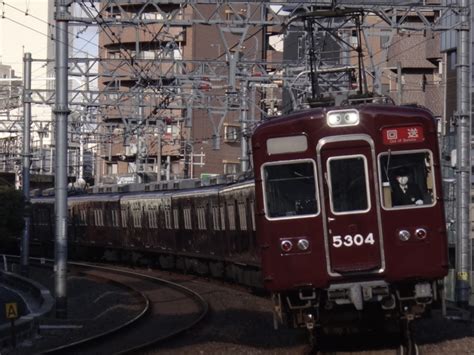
x=351, y=213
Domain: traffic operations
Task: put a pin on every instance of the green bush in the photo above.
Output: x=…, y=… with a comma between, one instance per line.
x=12, y=209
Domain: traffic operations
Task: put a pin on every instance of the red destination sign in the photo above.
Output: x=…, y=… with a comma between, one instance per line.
x=400, y=135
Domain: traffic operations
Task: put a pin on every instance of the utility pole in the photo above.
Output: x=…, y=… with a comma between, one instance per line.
x=25, y=241
x=158, y=151
x=399, y=83
x=244, y=160
x=61, y=112
x=463, y=149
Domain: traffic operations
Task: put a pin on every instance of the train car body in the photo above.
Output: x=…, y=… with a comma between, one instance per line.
x=209, y=230
x=333, y=230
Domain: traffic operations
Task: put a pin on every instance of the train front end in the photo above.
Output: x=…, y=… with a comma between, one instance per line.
x=350, y=219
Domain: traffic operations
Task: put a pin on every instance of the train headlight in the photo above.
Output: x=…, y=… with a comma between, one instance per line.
x=341, y=118
x=286, y=246
x=303, y=244
x=404, y=235
x=421, y=233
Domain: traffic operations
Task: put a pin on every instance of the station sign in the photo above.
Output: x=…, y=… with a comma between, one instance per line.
x=402, y=135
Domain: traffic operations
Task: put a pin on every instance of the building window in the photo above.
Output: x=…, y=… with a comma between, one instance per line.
x=147, y=54
x=354, y=38
x=229, y=15
x=231, y=134
x=111, y=169
x=231, y=167
x=113, y=55
x=384, y=38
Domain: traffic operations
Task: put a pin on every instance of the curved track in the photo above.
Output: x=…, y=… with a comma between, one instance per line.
x=173, y=309
x=166, y=309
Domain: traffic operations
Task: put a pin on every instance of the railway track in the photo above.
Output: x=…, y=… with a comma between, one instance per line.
x=241, y=323
x=165, y=309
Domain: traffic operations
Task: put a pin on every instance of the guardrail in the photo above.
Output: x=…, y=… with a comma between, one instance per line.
x=42, y=304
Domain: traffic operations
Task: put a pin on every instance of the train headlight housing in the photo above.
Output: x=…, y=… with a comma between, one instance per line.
x=341, y=118
x=421, y=233
x=286, y=245
x=404, y=235
x=303, y=244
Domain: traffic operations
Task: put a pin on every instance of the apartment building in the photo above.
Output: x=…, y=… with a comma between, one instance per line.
x=175, y=102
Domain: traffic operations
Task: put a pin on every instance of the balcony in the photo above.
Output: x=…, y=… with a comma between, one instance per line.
x=151, y=33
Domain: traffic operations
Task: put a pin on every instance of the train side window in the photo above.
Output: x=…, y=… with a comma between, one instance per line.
x=123, y=212
x=201, y=214
x=152, y=221
x=231, y=213
x=167, y=211
x=187, y=218
x=115, y=218
x=290, y=189
x=222, y=209
x=98, y=218
x=242, y=216
x=176, y=218
x=252, y=212
x=83, y=221
x=137, y=219
x=348, y=192
x=215, y=217
x=407, y=179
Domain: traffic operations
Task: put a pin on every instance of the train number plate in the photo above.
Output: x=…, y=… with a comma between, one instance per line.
x=357, y=240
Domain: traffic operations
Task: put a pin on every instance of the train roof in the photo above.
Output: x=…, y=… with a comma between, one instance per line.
x=115, y=192
x=320, y=112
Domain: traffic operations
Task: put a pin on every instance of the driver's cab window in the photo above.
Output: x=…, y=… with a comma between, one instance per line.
x=407, y=179
x=290, y=189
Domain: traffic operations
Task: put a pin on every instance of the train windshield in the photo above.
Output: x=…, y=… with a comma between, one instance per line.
x=348, y=184
x=407, y=179
x=290, y=189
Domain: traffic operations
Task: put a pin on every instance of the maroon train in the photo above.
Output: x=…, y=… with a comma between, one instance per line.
x=350, y=216
x=344, y=220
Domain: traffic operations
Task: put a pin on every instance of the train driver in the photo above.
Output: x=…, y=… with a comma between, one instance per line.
x=405, y=192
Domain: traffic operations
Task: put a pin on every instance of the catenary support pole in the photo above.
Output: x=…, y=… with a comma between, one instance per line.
x=25, y=241
x=61, y=112
x=463, y=158
x=244, y=159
